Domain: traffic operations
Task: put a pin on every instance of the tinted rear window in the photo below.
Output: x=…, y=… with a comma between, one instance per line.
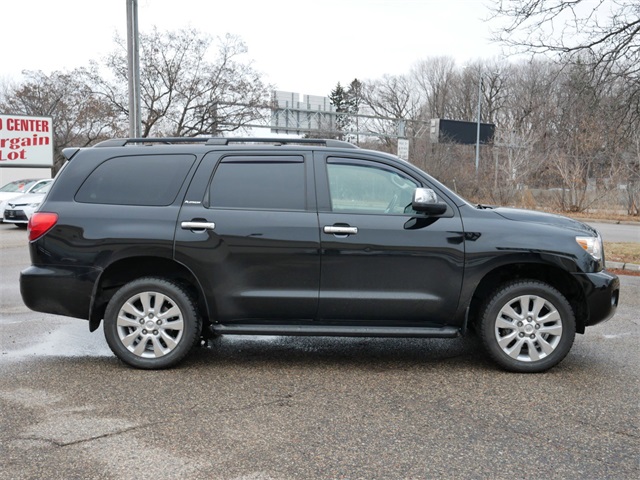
x=152, y=180
x=271, y=185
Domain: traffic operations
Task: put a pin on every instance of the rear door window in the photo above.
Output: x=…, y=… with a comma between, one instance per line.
x=259, y=183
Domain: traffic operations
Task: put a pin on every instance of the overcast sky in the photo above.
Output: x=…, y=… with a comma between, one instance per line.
x=305, y=46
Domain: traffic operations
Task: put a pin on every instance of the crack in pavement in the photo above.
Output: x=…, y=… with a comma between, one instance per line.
x=59, y=443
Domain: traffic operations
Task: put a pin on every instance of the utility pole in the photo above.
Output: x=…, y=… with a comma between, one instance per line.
x=133, y=56
x=478, y=126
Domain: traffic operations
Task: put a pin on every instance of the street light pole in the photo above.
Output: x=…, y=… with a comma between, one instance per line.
x=133, y=69
x=478, y=126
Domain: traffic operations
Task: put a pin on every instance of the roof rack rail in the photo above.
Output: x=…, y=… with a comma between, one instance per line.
x=121, y=142
x=281, y=141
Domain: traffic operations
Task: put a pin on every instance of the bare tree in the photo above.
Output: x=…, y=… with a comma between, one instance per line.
x=462, y=98
x=184, y=94
x=433, y=77
x=463, y=95
x=393, y=99
x=79, y=117
x=568, y=126
x=607, y=30
x=632, y=174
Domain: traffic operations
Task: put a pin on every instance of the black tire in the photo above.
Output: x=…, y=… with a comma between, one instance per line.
x=527, y=326
x=145, y=335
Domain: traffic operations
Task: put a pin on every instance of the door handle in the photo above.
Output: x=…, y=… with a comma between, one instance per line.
x=198, y=225
x=339, y=230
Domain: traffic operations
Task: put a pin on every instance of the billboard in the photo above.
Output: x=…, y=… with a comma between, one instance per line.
x=457, y=131
x=291, y=114
x=26, y=141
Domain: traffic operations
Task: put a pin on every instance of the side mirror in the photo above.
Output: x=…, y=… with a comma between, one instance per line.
x=425, y=200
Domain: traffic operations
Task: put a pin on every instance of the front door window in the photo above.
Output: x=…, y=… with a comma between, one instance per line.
x=369, y=189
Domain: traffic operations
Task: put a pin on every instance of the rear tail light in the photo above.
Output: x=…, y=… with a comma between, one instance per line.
x=40, y=223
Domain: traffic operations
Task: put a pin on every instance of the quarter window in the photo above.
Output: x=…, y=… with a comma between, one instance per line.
x=150, y=180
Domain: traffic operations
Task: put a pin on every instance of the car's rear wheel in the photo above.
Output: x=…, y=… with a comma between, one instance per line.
x=151, y=323
x=527, y=326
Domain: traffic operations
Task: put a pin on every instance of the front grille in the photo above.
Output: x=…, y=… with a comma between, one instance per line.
x=14, y=215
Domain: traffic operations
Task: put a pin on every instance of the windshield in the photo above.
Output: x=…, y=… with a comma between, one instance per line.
x=18, y=186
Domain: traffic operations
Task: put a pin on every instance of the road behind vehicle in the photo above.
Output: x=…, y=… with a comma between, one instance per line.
x=176, y=240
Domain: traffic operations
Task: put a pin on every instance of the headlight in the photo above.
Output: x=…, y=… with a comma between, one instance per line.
x=592, y=245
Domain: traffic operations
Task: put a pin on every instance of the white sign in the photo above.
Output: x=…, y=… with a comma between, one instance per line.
x=26, y=141
x=403, y=148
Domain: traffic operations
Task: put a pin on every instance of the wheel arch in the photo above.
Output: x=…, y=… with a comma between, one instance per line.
x=128, y=269
x=558, y=278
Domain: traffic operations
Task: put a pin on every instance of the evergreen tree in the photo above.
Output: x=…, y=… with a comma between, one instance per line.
x=339, y=99
x=354, y=96
x=354, y=101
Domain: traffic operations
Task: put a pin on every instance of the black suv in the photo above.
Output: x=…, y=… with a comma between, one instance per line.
x=177, y=239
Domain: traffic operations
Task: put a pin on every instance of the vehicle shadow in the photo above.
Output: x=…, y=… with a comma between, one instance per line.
x=366, y=353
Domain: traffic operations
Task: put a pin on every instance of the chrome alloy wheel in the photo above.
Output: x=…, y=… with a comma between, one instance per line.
x=150, y=324
x=528, y=328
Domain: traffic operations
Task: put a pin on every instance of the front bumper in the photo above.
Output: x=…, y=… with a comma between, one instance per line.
x=602, y=292
x=15, y=216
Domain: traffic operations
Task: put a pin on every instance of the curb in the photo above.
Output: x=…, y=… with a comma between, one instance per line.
x=635, y=223
x=623, y=266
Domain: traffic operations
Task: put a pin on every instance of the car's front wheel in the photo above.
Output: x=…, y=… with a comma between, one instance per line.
x=151, y=323
x=527, y=326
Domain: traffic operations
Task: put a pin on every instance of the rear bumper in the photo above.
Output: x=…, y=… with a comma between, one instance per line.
x=602, y=292
x=59, y=290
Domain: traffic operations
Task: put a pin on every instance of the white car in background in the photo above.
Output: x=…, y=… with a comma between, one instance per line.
x=17, y=188
x=18, y=210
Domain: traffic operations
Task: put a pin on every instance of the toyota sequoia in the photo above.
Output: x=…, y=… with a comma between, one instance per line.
x=173, y=240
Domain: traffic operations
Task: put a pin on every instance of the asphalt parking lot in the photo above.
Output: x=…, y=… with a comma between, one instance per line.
x=321, y=408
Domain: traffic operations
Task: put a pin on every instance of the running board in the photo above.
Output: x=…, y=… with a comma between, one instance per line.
x=336, y=331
